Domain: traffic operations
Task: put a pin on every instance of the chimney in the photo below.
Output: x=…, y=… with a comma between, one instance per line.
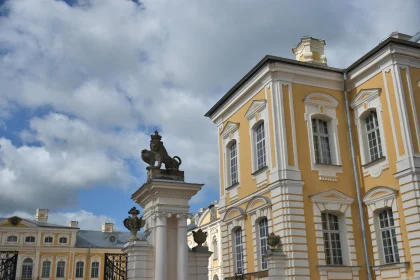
x=41, y=215
x=310, y=50
x=108, y=227
x=74, y=224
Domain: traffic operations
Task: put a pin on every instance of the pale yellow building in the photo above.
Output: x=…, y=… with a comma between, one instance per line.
x=287, y=165
x=50, y=251
x=208, y=220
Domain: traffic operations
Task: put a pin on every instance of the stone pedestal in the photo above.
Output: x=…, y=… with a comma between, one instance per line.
x=198, y=263
x=276, y=261
x=164, y=199
x=139, y=260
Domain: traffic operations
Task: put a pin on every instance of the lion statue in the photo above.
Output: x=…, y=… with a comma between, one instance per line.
x=159, y=154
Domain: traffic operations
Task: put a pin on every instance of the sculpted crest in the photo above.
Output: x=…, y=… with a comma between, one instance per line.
x=158, y=155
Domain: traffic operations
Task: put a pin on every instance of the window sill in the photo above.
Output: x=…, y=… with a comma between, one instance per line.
x=373, y=162
x=260, y=170
x=326, y=164
x=338, y=268
x=232, y=186
x=391, y=266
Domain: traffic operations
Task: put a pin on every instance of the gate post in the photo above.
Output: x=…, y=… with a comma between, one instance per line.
x=139, y=260
x=276, y=261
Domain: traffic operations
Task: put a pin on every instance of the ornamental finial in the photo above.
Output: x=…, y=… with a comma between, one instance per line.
x=133, y=223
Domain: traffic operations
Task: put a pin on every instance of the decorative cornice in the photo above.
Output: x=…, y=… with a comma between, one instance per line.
x=229, y=128
x=255, y=107
x=332, y=196
x=365, y=95
x=370, y=198
x=321, y=99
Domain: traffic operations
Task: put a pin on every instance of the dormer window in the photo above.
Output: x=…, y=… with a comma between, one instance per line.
x=30, y=239
x=48, y=239
x=12, y=239
x=62, y=240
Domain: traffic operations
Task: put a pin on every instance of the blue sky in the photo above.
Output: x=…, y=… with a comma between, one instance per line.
x=85, y=83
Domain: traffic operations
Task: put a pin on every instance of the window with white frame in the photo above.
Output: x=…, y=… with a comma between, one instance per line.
x=30, y=239
x=321, y=141
x=79, y=269
x=46, y=269
x=94, y=271
x=63, y=240
x=239, y=251
x=12, y=239
x=61, y=266
x=48, y=239
x=215, y=249
x=332, y=242
x=233, y=163
x=373, y=136
x=388, y=236
x=263, y=237
x=27, y=267
x=260, y=146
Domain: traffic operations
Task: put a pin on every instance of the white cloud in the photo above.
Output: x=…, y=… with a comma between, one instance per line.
x=119, y=69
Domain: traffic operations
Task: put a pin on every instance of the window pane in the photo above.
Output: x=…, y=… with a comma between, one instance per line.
x=239, y=251
x=321, y=141
x=332, y=242
x=373, y=136
x=260, y=143
x=263, y=228
x=79, y=269
x=388, y=236
x=95, y=270
x=46, y=268
x=233, y=164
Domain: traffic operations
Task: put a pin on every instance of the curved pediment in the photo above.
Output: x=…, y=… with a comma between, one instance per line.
x=321, y=99
x=257, y=202
x=332, y=196
x=232, y=213
x=379, y=193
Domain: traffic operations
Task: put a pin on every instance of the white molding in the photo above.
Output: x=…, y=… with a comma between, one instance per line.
x=370, y=198
x=230, y=134
x=330, y=101
x=365, y=95
x=256, y=107
x=229, y=128
x=240, y=216
x=341, y=198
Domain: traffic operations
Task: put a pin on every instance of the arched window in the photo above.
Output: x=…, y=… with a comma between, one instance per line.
x=94, y=270
x=373, y=136
x=63, y=240
x=260, y=146
x=215, y=249
x=46, y=269
x=48, y=239
x=321, y=141
x=61, y=265
x=27, y=266
x=30, y=239
x=239, y=251
x=332, y=242
x=12, y=238
x=233, y=163
x=263, y=236
x=79, y=269
x=388, y=236
x=216, y=277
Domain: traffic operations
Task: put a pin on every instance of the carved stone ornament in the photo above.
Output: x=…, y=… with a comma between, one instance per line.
x=159, y=154
x=199, y=237
x=273, y=240
x=133, y=223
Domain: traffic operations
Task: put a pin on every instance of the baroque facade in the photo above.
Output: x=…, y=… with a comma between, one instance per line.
x=50, y=251
x=326, y=158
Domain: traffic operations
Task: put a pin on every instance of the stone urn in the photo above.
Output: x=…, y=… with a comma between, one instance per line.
x=199, y=237
x=133, y=223
x=273, y=240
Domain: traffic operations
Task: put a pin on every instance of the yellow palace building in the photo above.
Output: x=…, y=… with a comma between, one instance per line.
x=326, y=158
x=49, y=251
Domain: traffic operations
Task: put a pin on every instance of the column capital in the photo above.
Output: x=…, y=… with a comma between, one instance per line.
x=182, y=215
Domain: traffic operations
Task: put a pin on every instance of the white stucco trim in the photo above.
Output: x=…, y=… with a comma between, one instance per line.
x=230, y=134
x=93, y=259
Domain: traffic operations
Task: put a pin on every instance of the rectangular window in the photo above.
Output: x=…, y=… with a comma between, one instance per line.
x=388, y=236
x=260, y=143
x=79, y=269
x=321, y=142
x=239, y=251
x=263, y=227
x=332, y=242
x=95, y=270
x=60, y=269
x=233, y=164
x=46, y=268
x=373, y=137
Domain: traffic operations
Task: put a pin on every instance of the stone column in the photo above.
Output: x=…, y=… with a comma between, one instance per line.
x=160, y=248
x=182, y=248
x=276, y=262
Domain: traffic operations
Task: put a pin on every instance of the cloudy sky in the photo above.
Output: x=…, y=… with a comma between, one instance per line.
x=83, y=83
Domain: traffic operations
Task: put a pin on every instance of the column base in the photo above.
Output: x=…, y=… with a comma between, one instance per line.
x=139, y=260
x=276, y=262
x=198, y=259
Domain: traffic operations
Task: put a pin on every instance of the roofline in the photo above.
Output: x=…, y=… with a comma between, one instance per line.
x=272, y=59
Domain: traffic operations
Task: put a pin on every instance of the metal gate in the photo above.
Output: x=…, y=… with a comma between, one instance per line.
x=8, y=262
x=115, y=267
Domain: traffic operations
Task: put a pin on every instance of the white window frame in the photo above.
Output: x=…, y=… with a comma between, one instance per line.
x=338, y=204
x=376, y=131
x=318, y=146
x=32, y=268
x=76, y=260
x=376, y=200
x=230, y=134
x=323, y=106
x=256, y=114
x=27, y=236
x=56, y=268
x=215, y=248
x=261, y=239
x=77, y=269
x=12, y=235
x=49, y=258
x=235, y=249
x=366, y=101
x=42, y=268
x=234, y=218
x=391, y=230
x=232, y=182
x=65, y=243
x=97, y=259
x=330, y=232
x=48, y=243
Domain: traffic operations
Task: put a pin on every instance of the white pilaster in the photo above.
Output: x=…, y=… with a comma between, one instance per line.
x=160, y=248
x=276, y=262
x=182, y=248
